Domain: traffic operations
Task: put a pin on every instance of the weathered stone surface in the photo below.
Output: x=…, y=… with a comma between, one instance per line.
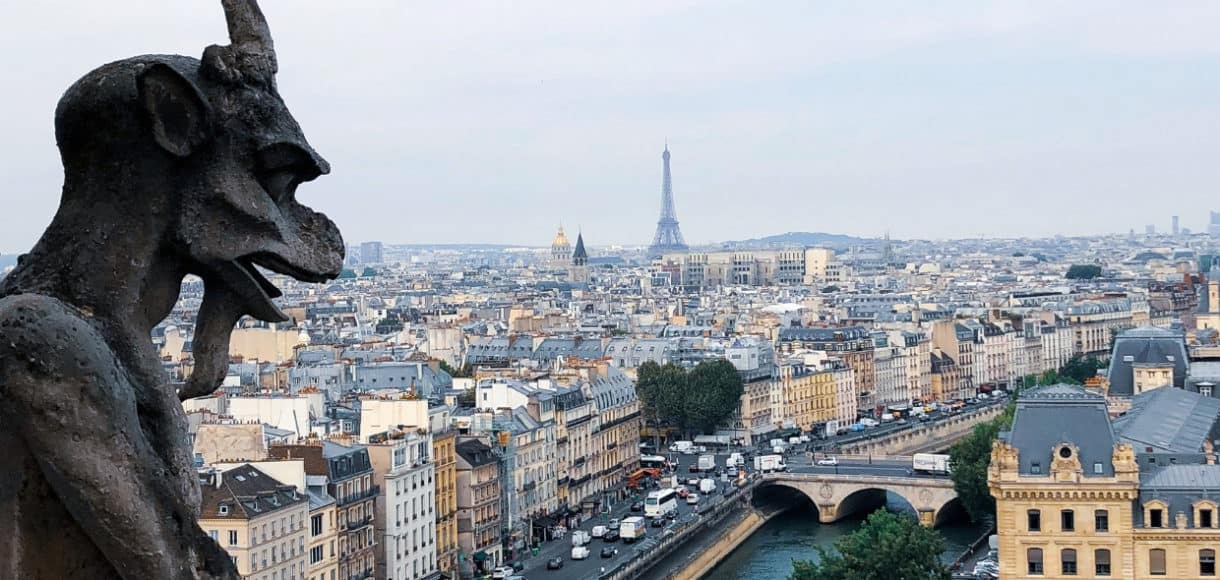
x=172, y=166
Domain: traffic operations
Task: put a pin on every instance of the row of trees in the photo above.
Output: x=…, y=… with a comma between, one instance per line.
x=885, y=546
x=696, y=400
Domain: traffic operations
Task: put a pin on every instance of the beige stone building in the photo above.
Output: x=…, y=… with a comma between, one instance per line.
x=323, y=537
x=444, y=449
x=478, y=508
x=258, y=520
x=1080, y=497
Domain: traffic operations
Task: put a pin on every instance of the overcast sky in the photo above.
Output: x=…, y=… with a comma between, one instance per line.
x=467, y=121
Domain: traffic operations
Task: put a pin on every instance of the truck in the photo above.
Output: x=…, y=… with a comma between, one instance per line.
x=580, y=538
x=579, y=552
x=794, y=441
x=832, y=428
x=777, y=442
x=707, y=462
x=930, y=463
x=632, y=529
x=770, y=463
x=735, y=460
x=707, y=486
x=869, y=422
x=887, y=417
x=683, y=447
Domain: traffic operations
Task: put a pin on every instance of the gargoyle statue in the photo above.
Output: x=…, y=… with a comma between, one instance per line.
x=172, y=166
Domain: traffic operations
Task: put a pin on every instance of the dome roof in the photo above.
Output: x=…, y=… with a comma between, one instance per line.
x=560, y=241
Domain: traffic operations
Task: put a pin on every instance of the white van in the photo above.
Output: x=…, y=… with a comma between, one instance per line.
x=580, y=552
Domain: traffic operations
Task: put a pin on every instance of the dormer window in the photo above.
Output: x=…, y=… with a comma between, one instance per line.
x=223, y=509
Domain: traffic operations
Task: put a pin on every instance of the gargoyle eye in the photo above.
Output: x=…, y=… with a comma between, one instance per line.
x=283, y=166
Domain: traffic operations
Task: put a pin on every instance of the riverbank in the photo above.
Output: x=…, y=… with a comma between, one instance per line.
x=708, y=559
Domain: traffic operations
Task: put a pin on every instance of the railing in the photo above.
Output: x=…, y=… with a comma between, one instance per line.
x=353, y=525
x=355, y=497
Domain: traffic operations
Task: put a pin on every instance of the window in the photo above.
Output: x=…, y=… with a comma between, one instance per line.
x=215, y=535
x=1099, y=468
x=1207, y=562
x=1156, y=562
x=1034, y=558
x=232, y=537
x=1101, y=521
x=1067, y=559
x=1035, y=520
x=1101, y=558
x=1067, y=520
x=1205, y=518
x=1155, y=519
x=315, y=554
x=315, y=524
x=1035, y=468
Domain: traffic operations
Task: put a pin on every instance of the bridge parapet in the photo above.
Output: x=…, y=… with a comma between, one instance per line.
x=837, y=496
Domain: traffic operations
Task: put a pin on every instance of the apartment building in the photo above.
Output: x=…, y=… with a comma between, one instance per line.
x=348, y=475
x=404, y=476
x=478, y=508
x=444, y=452
x=258, y=520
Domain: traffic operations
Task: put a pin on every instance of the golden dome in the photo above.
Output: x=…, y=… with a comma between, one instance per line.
x=561, y=241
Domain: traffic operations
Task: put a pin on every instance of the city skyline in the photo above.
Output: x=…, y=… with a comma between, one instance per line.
x=999, y=120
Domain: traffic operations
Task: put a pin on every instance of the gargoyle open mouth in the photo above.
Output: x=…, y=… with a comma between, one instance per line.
x=255, y=292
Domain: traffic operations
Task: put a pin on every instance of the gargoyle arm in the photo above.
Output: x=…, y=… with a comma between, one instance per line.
x=75, y=409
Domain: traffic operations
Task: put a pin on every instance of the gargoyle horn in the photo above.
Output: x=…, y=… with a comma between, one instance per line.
x=250, y=56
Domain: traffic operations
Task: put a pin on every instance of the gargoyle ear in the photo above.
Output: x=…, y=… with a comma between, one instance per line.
x=178, y=113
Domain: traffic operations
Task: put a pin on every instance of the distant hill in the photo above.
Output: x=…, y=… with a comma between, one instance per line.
x=803, y=239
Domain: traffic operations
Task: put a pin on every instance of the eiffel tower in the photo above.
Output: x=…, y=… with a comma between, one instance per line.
x=668, y=238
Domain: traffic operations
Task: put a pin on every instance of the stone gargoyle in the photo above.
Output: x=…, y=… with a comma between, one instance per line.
x=172, y=166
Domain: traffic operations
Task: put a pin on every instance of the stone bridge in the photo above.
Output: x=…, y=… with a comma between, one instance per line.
x=922, y=437
x=838, y=496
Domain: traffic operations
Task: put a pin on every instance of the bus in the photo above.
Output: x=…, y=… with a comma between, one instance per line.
x=653, y=462
x=659, y=503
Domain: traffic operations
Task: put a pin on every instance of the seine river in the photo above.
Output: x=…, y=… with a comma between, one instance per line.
x=768, y=554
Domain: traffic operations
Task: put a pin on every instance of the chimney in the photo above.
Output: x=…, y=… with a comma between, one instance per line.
x=217, y=477
x=1209, y=450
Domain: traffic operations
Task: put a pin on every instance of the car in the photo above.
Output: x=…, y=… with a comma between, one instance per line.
x=671, y=515
x=902, y=421
x=692, y=481
x=517, y=565
x=828, y=461
x=925, y=418
x=609, y=552
x=503, y=573
x=611, y=536
x=516, y=578
x=682, y=491
x=658, y=522
x=637, y=506
x=613, y=525
x=554, y=563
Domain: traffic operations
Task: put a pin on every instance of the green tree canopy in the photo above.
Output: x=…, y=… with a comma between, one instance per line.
x=969, y=459
x=713, y=391
x=886, y=546
x=1080, y=368
x=1083, y=272
x=465, y=372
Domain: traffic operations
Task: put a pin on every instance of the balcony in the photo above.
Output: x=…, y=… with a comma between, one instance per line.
x=353, y=525
x=364, y=495
x=528, y=486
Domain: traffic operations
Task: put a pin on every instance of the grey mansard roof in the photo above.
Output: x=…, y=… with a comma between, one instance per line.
x=1054, y=414
x=1168, y=420
x=1145, y=345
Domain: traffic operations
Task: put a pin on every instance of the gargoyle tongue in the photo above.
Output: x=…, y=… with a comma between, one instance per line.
x=231, y=291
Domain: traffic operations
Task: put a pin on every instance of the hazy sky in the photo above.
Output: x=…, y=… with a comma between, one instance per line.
x=454, y=121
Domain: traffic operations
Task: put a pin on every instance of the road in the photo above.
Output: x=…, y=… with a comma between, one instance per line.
x=798, y=462
x=535, y=566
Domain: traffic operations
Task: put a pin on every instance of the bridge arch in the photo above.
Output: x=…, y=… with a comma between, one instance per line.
x=838, y=496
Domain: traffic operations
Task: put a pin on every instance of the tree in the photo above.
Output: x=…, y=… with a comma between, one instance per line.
x=713, y=392
x=886, y=546
x=969, y=459
x=662, y=392
x=1080, y=368
x=466, y=399
x=460, y=373
x=1083, y=272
